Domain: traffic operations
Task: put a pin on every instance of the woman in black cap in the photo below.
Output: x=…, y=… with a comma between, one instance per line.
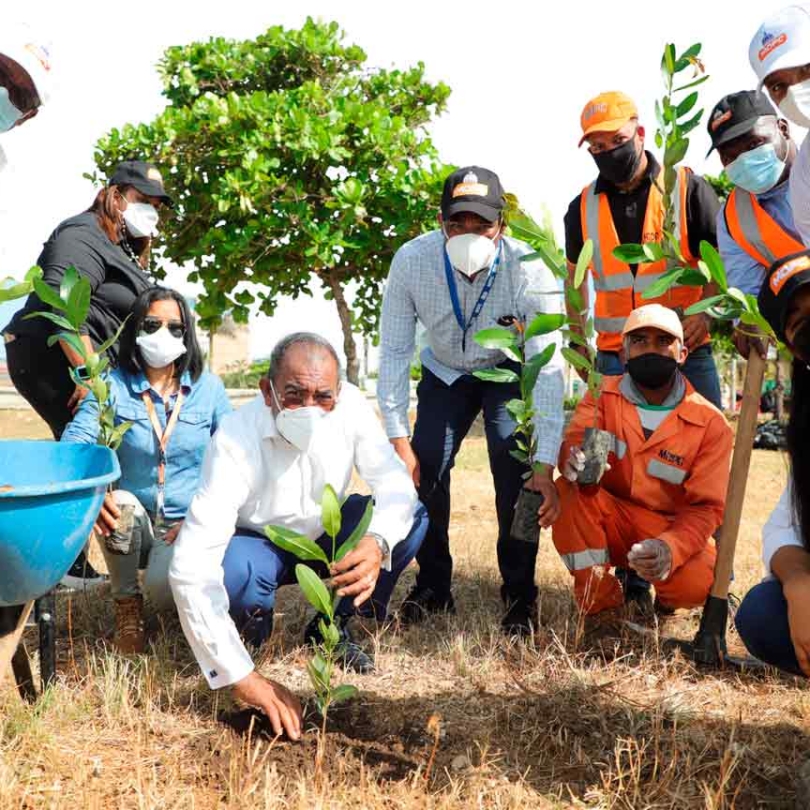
x=774, y=618
x=109, y=244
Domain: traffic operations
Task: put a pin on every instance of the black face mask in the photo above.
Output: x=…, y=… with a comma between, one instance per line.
x=618, y=165
x=652, y=370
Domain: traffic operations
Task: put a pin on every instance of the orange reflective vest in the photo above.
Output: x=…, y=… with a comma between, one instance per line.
x=618, y=291
x=756, y=231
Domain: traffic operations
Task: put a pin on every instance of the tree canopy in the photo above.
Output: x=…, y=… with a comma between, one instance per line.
x=289, y=158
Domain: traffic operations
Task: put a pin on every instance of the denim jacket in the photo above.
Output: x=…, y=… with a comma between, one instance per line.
x=204, y=405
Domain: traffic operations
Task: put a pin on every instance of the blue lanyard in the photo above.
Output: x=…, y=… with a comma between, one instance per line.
x=479, y=304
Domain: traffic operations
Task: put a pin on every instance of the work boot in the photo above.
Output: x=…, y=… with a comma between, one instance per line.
x=129, y=632
x=82, y=576
x=520, y=619
x=348, y=653
x=422, y=601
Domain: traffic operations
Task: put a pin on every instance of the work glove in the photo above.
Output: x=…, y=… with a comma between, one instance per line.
x=574, y=464
x=651, y=559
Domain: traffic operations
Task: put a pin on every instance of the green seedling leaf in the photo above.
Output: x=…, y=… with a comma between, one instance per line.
x=59, y=320
x=576, y=359
x=583, y=262
x=695, y=277
x=675, y=153
x=358, y=533
x=519, y=455
x=316, y=678
x=531, y=371
x=687, y=126
x=705, y=305
x=330, y=511
x=691, y=52
x=114, y=339
x=630, y=253
x=686, y=105
x=48, y=295
x=543, y=324
x=689, y=86
x=663, y=284
x=298, y=544
x=314, y=590
x=329, y=632
x=78, y=304
x=69, y=280
x=344, y=692
x=574, y=298
x=496, y=338
x=499, y=375
x=516, y=408
x=71, y=338
x=714, y=262
x=653, y=251
x=574, y=337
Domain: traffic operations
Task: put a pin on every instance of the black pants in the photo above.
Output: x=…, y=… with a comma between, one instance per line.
x=40, y=374
x=444, y=415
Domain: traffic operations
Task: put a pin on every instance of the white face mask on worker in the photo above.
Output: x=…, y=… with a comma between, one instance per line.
x=470, y=253
x=141, y=219
x=795, y=106
x=161, y=348
x=299, y=426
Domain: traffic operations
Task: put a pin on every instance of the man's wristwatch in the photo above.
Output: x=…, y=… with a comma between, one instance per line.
x=383, y=544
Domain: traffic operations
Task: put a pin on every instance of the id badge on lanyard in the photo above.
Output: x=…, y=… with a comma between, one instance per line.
x=163, y=437
x=482, y=298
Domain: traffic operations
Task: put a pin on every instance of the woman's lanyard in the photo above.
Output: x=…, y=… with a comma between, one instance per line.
x=479, y=304
x=163, y=437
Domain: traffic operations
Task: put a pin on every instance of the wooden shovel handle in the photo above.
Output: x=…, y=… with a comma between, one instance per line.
x=738, y=477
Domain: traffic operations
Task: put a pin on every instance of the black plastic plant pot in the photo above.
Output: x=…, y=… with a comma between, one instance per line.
x=596, y=447
x=524, y=524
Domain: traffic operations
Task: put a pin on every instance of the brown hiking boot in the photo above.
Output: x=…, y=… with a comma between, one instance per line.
x=129, y=633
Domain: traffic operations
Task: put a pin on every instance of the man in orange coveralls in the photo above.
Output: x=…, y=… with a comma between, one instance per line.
x=658, y=504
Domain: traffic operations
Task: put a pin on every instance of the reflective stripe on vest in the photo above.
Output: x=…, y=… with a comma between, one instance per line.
x=665, y=472
x=618, y=291
x=756, y=231
x=579, y=560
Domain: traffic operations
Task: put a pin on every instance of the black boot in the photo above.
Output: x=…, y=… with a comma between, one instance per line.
x=520, y=618
x=423, y=601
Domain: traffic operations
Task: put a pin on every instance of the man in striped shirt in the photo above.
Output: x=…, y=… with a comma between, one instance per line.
x=461, y=278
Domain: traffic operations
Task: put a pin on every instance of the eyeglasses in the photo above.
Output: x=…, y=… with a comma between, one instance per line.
x=298, y=399
x=151, y=325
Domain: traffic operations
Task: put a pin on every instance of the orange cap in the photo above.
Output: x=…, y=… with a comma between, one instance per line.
x=607, y=112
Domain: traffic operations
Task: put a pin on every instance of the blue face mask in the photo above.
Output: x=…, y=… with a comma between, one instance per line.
x=756, y=171
x=9, y=114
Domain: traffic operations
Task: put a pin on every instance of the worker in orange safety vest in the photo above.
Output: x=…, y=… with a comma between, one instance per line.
x=625, y=204
x=663, y=495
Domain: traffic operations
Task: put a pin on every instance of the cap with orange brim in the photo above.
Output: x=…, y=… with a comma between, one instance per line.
x=607, y=112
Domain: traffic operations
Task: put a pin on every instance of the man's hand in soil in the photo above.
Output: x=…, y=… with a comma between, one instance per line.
x=747, y=338
x=357, y=573
x=279, y=704
x=651, y=559
x=695, y=329
x=107, y=520
x=403, y=448
x=542, y=482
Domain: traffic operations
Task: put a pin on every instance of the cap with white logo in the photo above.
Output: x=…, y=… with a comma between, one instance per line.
x=782, y=41
x=32, y=53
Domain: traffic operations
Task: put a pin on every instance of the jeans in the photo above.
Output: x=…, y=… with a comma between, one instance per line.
x=148, y=552
x=762, y=622
x=699, y=369
x=444, y=416
x=254, y=569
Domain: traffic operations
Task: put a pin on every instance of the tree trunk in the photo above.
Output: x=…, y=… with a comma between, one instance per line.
x=349, y=346
x=211, y=350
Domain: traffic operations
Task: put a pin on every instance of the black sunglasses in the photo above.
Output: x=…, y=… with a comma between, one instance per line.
x=151, y=325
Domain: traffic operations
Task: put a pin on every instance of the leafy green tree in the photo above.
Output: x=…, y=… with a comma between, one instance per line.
x=290, y=160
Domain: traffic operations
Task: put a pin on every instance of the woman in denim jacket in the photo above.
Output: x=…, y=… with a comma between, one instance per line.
x=173, y=407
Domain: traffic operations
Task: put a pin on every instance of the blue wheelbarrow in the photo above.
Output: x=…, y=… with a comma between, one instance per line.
x=50, y=496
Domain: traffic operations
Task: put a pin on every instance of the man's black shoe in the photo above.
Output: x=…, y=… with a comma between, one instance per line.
x=82, y=576
x=422, y=601
x=520, y=618
x=348, y=653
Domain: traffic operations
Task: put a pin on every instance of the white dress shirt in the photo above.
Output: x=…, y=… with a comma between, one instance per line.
x=780, y=530
x=252, y=477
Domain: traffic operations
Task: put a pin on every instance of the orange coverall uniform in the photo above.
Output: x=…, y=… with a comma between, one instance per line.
x=671, y=486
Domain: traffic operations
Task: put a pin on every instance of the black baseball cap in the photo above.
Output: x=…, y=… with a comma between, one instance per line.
x=785, y=276
x=736, y=114
x=143, y=176
x=473, y=189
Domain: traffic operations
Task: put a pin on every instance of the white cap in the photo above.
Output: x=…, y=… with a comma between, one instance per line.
x=782, y=41
x=30, y=52
x=656, y=317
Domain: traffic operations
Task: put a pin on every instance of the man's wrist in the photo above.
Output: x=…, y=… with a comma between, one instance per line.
x=385, y=549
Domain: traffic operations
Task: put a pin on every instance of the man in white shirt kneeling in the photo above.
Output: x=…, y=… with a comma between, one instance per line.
x=268, y=464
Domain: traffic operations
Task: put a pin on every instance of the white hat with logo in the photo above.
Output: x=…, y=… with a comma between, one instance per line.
x=782, y=41
x=32, y=53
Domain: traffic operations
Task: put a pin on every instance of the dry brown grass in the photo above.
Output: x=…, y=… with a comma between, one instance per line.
x=547, y=724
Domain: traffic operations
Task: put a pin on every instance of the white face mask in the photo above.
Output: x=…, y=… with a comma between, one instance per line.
x=161, y=348
x=299, y=426
x=141, y=219
x=9, y=114
x=795, y=106
x=470, y=253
